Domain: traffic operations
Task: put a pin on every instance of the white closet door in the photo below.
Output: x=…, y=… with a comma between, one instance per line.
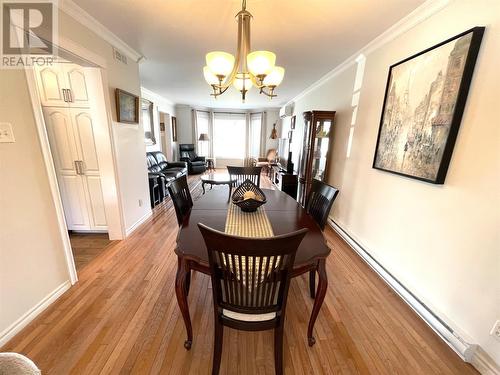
x=77, y=84
x=84, y=131
x=51, y=82
x=64, y=150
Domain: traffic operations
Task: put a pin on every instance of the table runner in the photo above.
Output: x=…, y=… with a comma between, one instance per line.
x=248, y=224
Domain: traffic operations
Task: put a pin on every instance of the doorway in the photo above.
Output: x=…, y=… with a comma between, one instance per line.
x=68, y=100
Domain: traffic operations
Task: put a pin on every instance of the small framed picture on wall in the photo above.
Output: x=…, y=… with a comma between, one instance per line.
x=127, y=107
x=174, y=129
x=292, y=123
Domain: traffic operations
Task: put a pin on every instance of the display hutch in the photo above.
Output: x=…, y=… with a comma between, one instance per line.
x=318, y=141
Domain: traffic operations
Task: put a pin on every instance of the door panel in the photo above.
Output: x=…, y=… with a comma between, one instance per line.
x=51, y=82
x=74, y=202
x=61, y=138
x=86, y=141
x=76, y=82
x=98, y=215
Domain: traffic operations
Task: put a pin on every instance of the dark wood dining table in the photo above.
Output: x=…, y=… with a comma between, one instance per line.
x=285, y=216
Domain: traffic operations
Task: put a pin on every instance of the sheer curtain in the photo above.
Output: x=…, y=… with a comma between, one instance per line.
x=255, y=135
x=202, y=126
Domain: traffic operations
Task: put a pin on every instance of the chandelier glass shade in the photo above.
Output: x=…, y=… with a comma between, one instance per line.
x=246, y=69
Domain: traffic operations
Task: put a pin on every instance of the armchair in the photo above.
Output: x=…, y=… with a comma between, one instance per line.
x=196, y=164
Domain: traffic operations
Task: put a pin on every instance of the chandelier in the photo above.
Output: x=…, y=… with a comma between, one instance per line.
x=247, y=69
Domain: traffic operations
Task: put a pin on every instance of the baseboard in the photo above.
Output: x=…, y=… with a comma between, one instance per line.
x=36, y=310
x=464, y=349
x=484, y=363
x=138, y=223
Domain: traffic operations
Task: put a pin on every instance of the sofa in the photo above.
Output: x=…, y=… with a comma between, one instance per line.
x=196, y=164
x=164, y=171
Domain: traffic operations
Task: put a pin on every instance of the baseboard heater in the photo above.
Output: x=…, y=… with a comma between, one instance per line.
x=464, y=349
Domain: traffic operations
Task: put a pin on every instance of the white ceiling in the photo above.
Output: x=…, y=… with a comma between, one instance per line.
x=309, y=37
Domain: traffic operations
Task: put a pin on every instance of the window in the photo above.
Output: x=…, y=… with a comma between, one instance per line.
x=229, y=135
x=255, y=135
x=202, y=127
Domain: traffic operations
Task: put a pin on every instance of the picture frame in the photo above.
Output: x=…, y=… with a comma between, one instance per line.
x=423, y=105
x=174, y=129
x=292, y=122
x=147, y=109
x=127, y=107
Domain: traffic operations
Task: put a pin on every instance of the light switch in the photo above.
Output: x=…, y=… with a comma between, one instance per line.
x=6, y=133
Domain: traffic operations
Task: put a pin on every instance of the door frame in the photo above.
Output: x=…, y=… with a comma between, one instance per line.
x=117, y=217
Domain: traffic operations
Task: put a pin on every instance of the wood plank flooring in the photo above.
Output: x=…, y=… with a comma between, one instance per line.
x=87, y=246
x=122, y=318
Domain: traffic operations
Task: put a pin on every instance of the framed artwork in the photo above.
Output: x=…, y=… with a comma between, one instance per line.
x=290, y=135
x=423, y=106
x=162, y=126
x=174, y=129
x=292, y=123
x=127, y=107
x=148, y=122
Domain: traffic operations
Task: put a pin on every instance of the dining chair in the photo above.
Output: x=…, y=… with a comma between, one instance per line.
x=250, y=280
x=243, y=173
x=319, y=202
x=181, y=197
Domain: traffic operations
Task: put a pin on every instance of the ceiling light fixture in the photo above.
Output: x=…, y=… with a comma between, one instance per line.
x=248, y=68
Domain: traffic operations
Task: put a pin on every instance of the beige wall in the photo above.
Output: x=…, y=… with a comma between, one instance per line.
x=442, y=242
x=32, y=262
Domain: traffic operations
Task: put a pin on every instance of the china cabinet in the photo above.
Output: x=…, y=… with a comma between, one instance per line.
x=318, y=138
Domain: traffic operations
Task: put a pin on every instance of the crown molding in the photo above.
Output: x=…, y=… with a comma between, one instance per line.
x=158, y=97
x=73, y=10
x=420, y=14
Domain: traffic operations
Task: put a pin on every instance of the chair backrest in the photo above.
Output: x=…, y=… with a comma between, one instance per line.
x=181, y=197
x=243, y=173
x=320, y=200
x=251, y=275
x=161, y=159
x=186, y=150
x=271, y=155
x=152, y=163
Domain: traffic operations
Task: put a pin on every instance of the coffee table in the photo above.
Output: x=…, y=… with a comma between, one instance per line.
x=217, y=179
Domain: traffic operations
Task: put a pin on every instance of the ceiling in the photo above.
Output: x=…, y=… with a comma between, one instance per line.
x=309, y=37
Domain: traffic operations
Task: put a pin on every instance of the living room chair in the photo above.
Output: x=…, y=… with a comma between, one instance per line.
x=181, y=197
x=319, y=202
x=250, y=280
x=196, y=164
x=243, y=173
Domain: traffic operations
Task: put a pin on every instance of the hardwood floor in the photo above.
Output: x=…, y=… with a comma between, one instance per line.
x=87, y=246
x=122, y=317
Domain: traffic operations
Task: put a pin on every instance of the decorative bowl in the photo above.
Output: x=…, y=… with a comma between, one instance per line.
x=249, y=204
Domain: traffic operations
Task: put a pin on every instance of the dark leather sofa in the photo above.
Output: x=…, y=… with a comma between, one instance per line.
x=196, y=164
x=163, y=170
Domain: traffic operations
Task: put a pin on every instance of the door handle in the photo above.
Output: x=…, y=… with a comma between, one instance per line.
x=70, y=95
x=77, y=166
x=82, y=167
x=65, y=95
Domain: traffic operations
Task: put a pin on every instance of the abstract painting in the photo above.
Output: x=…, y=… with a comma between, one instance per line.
x=424, y=101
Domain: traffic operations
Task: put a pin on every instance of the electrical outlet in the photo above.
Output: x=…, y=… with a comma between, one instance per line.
x=6, y=133
x=495, y=331
x=140, y=202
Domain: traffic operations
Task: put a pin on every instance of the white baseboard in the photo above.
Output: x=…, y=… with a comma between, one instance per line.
x=137, y=223
x=464, y=349
x=31, y=314
x=484, y=363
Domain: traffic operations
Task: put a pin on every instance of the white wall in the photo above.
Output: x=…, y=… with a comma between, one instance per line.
x=441, y=242
x=130, y=148
x=32, y=261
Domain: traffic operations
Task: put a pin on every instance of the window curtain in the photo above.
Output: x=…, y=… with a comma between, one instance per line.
x=202, y=125
x=254, y=144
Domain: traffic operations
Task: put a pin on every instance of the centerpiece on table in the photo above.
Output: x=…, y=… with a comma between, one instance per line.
x=248, y=196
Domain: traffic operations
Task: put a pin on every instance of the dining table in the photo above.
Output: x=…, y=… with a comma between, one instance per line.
x=284, y=214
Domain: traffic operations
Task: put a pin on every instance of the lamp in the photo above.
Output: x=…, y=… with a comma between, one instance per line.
x=203, y=138
x=246, y=68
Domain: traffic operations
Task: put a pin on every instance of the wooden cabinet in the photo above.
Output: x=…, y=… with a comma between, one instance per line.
x=63, y=85
x=314, y=157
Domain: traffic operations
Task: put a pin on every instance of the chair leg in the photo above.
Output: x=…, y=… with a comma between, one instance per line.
x=312, y=283
x=218, y=338
x=278, y=350
x=188, y=282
